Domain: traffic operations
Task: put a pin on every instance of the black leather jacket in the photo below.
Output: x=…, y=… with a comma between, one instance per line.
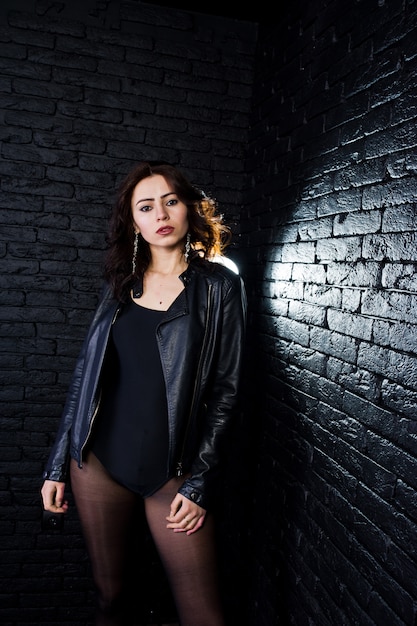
x=201, y=344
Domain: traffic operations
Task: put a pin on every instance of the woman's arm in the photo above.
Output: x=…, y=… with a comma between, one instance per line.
x=222, y=401
x=57, y=464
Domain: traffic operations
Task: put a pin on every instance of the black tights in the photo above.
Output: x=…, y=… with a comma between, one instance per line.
x=106, y=509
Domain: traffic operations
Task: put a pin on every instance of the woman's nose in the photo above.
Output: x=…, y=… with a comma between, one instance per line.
x=161, y=212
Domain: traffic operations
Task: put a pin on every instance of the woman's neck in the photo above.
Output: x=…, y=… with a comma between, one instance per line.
x=167, y=264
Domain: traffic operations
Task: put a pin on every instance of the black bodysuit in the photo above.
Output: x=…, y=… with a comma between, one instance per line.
x=131, y=430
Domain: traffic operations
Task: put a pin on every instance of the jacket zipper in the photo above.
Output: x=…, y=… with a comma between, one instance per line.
x=179, y=466
x=96, y=408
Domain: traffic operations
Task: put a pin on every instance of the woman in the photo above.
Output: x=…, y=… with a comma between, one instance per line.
x=154, y=393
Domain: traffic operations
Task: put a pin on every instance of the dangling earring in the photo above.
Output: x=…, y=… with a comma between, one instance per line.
x=135, y=252
x=187, y=247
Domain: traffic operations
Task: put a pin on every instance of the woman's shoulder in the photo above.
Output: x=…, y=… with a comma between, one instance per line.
x=218, y=270
x=105, y=299
x=217, y=265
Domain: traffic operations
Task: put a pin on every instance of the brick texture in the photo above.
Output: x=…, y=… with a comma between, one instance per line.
x=86, y=90
x=329, y=240
x=304, y=130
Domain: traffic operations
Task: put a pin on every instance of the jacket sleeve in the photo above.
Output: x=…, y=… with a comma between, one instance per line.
x=56, y=467
x=222, y=398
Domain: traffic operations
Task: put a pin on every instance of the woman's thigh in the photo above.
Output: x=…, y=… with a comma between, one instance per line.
x=106, y=511
x=189, y=560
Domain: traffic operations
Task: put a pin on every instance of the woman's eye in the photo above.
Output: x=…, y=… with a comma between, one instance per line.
x=172, y=202
x=145, y=208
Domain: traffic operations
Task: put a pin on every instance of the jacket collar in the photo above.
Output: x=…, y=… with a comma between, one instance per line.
x=185, y=277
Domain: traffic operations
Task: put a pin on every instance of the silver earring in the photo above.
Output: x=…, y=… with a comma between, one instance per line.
x=187, y=247
x=135, y=252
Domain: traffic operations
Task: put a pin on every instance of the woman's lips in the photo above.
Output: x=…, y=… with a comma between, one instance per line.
x=165, y=230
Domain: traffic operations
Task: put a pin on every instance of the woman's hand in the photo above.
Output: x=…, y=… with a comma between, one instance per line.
x=53, y=497
x=185, y=516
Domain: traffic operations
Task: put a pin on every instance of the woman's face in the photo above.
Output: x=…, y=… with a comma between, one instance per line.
x=158, y=214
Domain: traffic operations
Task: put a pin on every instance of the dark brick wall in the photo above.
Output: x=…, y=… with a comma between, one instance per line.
x=320, y=529
x=329, y=236
x=87, y=89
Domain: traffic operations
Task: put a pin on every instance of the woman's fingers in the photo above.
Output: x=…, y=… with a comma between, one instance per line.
x=53, y=497
x=188, y=524
x=175, y=506
x=198, y=524
x=185, y=516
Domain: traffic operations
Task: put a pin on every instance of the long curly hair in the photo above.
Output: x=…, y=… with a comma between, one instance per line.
x=209, y=236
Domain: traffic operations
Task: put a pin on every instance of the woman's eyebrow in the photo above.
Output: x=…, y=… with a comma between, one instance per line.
x=170, y=193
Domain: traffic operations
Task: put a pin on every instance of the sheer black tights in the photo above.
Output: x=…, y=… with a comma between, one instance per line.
x=106, y=511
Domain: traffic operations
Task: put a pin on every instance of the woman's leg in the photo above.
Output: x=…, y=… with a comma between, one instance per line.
x=189, y=561
x=105, y=509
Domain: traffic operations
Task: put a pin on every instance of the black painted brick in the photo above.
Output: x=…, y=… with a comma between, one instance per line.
x=327, y=243
x=357, y=168
x=82, y=98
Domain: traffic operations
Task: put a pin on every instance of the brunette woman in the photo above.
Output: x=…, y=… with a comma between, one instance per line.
x=154, y=394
